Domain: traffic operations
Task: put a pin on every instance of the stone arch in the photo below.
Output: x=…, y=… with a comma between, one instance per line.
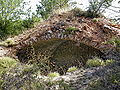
x=61, y=53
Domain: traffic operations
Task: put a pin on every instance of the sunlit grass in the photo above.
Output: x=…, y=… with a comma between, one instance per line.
x=72, y=69
x=6, y=63
x=98, y=62
x=54, y=74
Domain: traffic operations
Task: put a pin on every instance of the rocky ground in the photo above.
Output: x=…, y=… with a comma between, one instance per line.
x=93, y=78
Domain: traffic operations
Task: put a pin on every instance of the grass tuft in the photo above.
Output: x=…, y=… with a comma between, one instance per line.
x=71, y=29
x=8, y=42
x=98, y=62
x=72, y=69
x=6, y=63
x=54, y=74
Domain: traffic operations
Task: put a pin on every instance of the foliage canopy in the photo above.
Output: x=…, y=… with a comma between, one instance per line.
x=47, y=7
x=96, y=7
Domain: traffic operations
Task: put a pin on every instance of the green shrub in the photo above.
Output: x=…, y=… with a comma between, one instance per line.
x=78, y=12
x=107, y=62
x=72, y=69
x=95, y=19
x=16, y=27
x=47, y=8
x=95, y=62
x=115, y=79
x=28, y=23
x=98, y=62
x=54, y=74
x=97, y=7
x=6, y=63
x=71, y=29
x=115, y=41
x=8, y=42
x=93, y=14
x=11, y=28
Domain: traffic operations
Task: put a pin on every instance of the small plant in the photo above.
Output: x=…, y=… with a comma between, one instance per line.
x=114, y=41
x=71, y=29
x=72, y=69
x=113, y=21
x=107, y=62
x=54, y=74
x=95, y=19
x=95, y=62
x=28, y=68
x=78, y=12
x=98, y=62
x=8, y=42
x=115, y=79
x=1, y=82
x=6, y=63
x=97, y=7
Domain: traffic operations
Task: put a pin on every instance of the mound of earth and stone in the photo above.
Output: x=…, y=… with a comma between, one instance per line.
x=62, y=41
x=66, y=26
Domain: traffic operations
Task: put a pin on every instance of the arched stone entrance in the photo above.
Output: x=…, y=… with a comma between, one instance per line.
x=59, y=54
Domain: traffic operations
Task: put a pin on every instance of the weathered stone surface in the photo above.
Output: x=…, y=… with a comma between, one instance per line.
x=3, y=51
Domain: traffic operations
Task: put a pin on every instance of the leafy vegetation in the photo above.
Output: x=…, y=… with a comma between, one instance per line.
x=78, y=12
x=11, y=22
x=72, y=69
x=98, y=62
x=95, y=62
x=95, y=20
x=114, y=41
x=54, y=74
x=71, y=29
x=8, y=42
x=29, y=22
x=108, y=62
x=15, y=75
x=97, y=7
x=10, y=13
x=6, y=63
x=47, y=7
